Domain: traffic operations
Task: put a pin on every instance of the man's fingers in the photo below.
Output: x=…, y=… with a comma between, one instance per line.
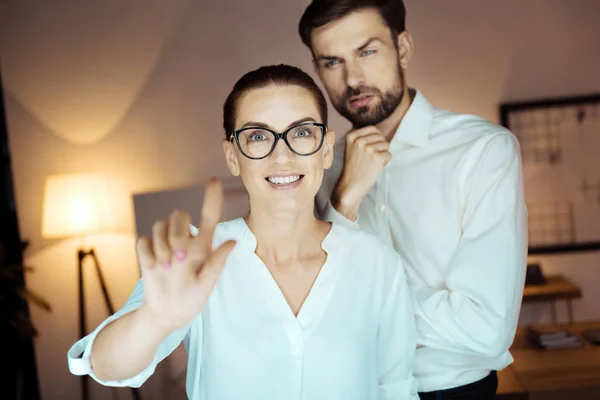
x=368, y=140
x=378, y=146
x=211, y=270
x=387, y=156
x=212, y=207
x=145, y=254
x=361, y=133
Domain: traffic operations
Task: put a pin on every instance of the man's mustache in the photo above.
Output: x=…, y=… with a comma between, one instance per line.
x=360, y=90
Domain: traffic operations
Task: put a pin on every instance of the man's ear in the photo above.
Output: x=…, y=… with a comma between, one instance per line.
x=231, y=158
x=328, y=145
x=405, y=48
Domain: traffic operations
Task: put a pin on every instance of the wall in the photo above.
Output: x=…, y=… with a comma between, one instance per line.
x=134, y=90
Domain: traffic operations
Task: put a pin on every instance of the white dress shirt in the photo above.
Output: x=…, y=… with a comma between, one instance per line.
x=354, y=337
x=451, y=203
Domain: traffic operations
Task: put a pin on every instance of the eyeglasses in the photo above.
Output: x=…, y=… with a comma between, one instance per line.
x=258, y=142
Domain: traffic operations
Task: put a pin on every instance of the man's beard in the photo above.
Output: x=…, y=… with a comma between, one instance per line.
x=365, y=116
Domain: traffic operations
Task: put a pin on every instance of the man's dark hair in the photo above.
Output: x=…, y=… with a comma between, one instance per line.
x=322, y=12
x=278, y=75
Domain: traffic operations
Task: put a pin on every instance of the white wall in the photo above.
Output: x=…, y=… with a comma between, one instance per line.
x=134, y=90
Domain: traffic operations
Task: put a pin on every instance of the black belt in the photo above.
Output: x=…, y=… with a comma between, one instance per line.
x=481, y=390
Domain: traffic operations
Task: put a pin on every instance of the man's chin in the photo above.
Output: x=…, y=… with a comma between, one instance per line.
x=360, y=120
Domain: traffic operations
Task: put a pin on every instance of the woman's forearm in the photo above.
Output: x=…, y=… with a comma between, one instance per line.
x=126, y=346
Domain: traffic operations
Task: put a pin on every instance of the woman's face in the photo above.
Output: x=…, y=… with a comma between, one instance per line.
x=283, y=180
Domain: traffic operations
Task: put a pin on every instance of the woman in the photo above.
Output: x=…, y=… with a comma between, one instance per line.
x=277, y=305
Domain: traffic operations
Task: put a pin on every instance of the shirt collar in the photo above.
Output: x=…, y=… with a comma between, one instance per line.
x=416, y=124
x=243, y=233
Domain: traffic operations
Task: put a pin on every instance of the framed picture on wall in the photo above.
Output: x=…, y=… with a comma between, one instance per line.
x=560, y=147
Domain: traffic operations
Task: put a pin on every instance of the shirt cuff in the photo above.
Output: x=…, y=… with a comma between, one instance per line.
x=332, y=215
x=79, y=356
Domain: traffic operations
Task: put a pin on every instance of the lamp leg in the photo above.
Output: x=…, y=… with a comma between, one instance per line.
x=84, y=378
x=108, y=302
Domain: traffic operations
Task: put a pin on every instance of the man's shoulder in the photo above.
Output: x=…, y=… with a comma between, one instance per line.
x=472, y=133
x=467, y=125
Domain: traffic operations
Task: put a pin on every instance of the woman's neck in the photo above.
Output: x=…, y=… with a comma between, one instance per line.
x=285, y=237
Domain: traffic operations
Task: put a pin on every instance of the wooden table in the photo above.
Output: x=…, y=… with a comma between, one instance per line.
x=557, y=287
x=509, y=386
x=536, y=370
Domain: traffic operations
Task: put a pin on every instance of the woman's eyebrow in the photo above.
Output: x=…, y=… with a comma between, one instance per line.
x=263, y=125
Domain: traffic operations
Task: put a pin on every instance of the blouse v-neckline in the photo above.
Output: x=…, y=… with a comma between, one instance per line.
x=315, y=303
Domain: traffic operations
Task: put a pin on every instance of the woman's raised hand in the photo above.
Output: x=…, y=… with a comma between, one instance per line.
x=179, y=270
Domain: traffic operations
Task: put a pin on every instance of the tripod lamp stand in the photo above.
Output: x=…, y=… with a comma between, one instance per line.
x=77, y=205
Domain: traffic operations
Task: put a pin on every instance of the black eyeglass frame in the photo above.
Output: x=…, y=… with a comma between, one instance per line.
x=279, y=135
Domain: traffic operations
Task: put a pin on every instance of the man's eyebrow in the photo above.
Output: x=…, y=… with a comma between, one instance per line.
x=367, y=43
x=359, y=48
x=327, y=58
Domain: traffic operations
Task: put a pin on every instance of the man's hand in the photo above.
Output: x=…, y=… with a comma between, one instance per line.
x=367, y=153
x=180, y=271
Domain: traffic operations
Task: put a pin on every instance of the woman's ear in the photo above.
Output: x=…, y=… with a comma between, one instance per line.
x=231, y=158
x=328, y=145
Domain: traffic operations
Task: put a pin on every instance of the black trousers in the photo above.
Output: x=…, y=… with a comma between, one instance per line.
x=484, y=389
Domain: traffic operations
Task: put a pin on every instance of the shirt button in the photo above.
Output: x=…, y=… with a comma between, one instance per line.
x=381, y=208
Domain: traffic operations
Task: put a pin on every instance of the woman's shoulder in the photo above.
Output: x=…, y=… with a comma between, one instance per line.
x=374, y=264
x=364, y=245
x=229, y=230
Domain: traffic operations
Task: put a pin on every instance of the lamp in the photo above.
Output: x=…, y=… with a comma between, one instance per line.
x=76, y=205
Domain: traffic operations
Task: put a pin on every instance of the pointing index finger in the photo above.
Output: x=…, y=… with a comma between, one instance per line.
x=212, y=208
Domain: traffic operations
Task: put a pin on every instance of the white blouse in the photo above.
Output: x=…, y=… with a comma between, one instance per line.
x=354, y=337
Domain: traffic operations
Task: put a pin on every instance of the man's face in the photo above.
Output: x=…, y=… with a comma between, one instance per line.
x=358, y=62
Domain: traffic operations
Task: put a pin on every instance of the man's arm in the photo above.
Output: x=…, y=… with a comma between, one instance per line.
x=359, y=159
x=478, y=310
x=126, y=348
x=397, y=343
x=330, y=214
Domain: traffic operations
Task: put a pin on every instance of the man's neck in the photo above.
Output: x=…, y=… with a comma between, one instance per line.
x=390, y=125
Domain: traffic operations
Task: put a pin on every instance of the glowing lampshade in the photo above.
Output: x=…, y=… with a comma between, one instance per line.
x=75, y=205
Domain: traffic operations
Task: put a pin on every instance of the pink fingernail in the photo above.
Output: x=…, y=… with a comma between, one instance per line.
x=180, y=255
x=165, y=264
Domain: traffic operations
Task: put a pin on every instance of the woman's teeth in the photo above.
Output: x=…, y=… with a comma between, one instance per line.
x=283, y=180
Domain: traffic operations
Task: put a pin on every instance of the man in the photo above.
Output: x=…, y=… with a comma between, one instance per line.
x=445, y=190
